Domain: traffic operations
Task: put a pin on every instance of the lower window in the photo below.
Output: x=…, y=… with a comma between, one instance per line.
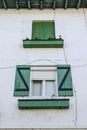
x=43, y=81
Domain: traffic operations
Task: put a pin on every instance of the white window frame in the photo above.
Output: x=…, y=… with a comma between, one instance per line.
x=42, y=69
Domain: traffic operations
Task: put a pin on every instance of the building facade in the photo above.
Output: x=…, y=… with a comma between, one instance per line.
x=43, y=63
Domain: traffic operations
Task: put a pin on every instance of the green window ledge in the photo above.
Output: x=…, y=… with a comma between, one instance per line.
x=54, y=43
x=43, y=103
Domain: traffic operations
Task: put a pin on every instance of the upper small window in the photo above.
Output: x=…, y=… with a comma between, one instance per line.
x=43, y=36
x=43, y=30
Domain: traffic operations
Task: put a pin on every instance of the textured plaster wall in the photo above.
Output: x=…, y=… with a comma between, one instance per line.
x=14, y=27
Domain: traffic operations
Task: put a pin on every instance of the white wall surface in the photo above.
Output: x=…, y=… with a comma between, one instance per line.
x=16, y=25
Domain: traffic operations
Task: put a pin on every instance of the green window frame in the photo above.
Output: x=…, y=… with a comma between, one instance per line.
x=43, y=30
x=22, y=80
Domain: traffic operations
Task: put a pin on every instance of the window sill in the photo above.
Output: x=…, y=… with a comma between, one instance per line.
x=43, y=103
x=52, y=43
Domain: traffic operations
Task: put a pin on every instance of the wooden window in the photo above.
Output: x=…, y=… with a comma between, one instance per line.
x=43, y=36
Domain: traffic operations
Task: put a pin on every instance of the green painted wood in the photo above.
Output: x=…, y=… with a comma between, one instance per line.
x=43, y=104
x=43, y=43
x=22, y=80
x=43, y=29
x=64, y=85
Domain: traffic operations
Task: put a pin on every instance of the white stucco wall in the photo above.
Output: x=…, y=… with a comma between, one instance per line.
x=14, y=27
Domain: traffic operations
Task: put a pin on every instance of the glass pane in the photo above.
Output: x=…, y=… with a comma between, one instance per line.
x=37, y=88
x=50, y=88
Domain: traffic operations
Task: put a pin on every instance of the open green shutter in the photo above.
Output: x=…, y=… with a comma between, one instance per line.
x=64, y=80
x=22, y=80
x=43, y=30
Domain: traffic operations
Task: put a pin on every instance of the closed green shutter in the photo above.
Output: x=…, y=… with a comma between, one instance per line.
x=22, y=80
x=43, y=29
x=64, y=80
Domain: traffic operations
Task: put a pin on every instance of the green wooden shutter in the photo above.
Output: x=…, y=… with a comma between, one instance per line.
x=22, y=80
x=43, y=29
x=64, y=80
x=43, y=103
